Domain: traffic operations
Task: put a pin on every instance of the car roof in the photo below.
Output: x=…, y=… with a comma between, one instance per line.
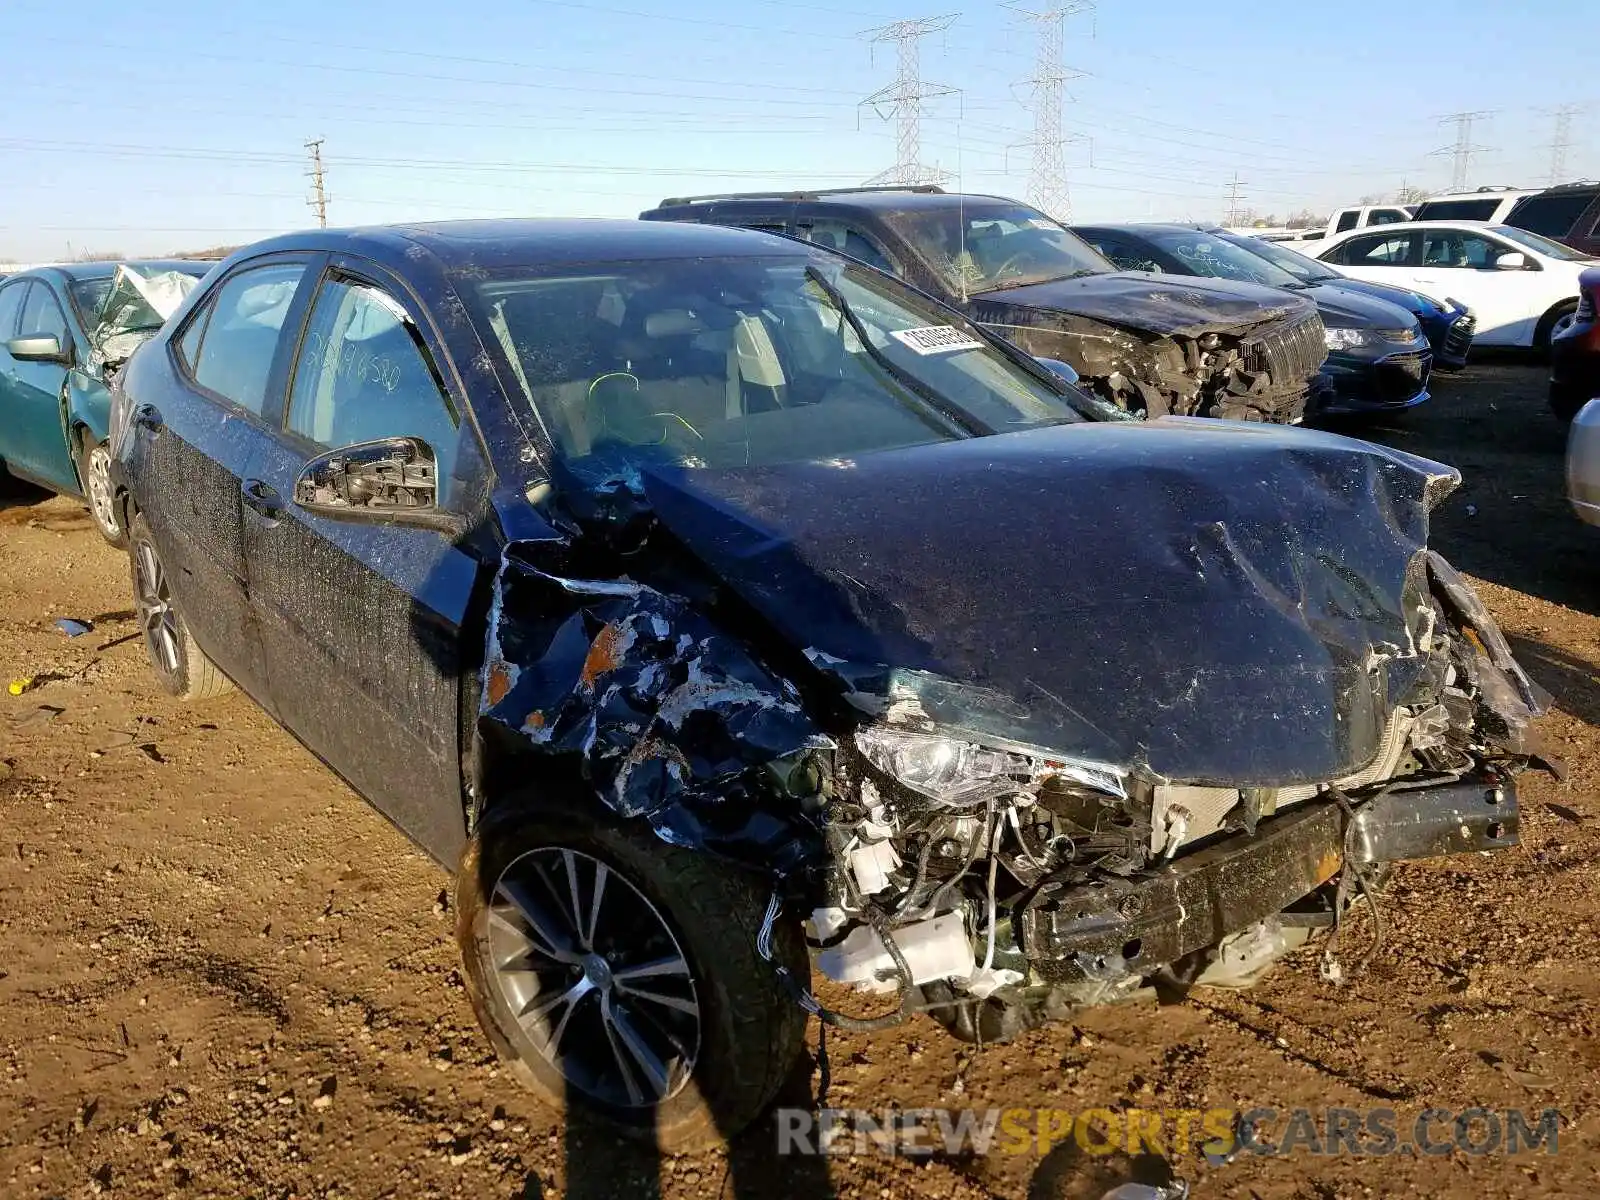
x=1483, y=193
x=1138, y=227
x=1406, y=226
x=876, y=199
x=542, y=241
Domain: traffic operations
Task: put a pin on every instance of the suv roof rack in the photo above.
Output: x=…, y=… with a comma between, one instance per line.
x=1576, y=183
x=806, y=194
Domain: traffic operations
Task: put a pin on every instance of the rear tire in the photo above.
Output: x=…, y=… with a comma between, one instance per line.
x=692, y=918
x=1565, y=408
x=94, y=473
x=1546, y=331
x=181, y=667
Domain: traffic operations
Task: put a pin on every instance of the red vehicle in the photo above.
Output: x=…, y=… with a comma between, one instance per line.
x=1575, y=353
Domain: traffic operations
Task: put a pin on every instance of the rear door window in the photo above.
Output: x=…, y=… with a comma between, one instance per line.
x=1552, y=215
x=1375, y=250
x=1388, y=216
x=1347, y=220
x=241, y=336
x=189, y=343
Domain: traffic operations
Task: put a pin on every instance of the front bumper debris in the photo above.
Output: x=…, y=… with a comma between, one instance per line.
x=1133, y=924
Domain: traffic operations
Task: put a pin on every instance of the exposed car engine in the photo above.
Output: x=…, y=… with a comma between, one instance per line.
x=1016, y=886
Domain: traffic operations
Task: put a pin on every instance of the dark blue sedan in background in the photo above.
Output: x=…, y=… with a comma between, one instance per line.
x=1449, y=324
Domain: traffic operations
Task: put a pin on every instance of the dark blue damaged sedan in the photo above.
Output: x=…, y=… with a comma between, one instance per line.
x=719, y=608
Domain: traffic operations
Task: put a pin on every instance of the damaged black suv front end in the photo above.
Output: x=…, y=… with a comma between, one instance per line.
x=1010, y=703
x=1150, y=344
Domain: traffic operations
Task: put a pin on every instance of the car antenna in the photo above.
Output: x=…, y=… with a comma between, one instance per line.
x=961, y=220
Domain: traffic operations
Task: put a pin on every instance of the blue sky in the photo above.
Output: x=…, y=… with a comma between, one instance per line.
x=178, y=125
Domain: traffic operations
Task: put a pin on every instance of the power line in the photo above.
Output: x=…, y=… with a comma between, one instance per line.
x=904, y=98
x=1464, y=150
x=1047, y=182
x=318, y=199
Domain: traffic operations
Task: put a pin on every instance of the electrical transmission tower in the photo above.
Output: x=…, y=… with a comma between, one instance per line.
x=1561, y=141
x=1047, y=184
x=1461, y=154
x=318, y=200
x=904, y=99
x=1237, y=214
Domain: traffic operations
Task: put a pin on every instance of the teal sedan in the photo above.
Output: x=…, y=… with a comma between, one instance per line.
x=64, y=332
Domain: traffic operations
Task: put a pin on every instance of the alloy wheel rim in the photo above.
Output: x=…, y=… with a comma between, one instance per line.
x=1563, y=323
x=594, y=977
x=158, y=620
x=99, y=484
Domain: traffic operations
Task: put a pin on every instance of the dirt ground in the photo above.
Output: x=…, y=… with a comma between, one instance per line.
x=222, y=974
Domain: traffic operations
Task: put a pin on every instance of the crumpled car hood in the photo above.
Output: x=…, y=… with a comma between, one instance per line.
x=1163, y=304
x=1212, y=602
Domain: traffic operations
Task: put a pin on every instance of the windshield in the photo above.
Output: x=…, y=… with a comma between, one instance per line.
x=1208, y=254
x=88, y=294
x=1542, y=244
x=981, y=247
x=1306, y=270
x=747, y=361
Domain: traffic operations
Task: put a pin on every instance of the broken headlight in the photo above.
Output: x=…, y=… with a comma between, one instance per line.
x=958, y=772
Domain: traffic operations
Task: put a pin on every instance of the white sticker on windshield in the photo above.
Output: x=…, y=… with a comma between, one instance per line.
x=936, y=339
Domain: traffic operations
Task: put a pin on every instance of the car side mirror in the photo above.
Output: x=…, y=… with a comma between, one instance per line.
x=1515, y=261
x=45, y=348
x=392, y=480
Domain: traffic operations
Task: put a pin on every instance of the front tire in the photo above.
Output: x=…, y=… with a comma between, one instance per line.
x=181, y=667
x=619, y=975
x=94, y=473
x=1557, y=319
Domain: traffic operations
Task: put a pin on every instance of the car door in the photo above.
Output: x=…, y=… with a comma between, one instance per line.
x=12, y=297
x=362, y=620
x=1461, y=263
x=37, y=388
x=192, y=445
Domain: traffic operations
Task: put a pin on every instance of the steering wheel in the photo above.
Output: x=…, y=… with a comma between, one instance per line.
x=623, y=414
x=1003, y=268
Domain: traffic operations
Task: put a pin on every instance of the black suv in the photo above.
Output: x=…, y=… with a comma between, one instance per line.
x=691, y=591
x=1569, y=214
x=1146, y=343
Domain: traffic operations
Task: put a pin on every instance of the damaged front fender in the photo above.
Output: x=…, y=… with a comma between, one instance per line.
x=630, y=693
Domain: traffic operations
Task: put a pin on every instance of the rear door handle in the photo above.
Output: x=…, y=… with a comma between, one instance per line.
x=147, y=415
x=264, y=498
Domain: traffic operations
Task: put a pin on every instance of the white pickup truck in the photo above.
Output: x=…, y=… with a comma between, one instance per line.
x=1356, y=217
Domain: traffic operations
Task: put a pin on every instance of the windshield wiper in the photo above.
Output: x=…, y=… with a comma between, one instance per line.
x=945, y=409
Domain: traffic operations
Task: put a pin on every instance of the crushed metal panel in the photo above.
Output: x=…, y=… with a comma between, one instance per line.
x=665, y=716
x=138, y=303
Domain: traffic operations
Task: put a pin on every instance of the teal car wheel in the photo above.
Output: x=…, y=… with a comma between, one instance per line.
x=94, y=469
